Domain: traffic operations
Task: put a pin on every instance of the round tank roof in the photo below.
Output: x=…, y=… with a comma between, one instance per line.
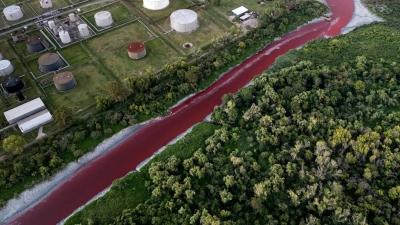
x=48, y=59
x=11, y=81
x=63, y=77
x=82, y=26
x=102, y=15
x=11, y=9
x=34, y=40
x=4, y=64
x=136, y=47
x=184, y=16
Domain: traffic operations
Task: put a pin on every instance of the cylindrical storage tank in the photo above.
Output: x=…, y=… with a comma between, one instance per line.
x=103, y=19
x=35, y=43
x=13, y=84
x=155, y=4
x=83, y=30
x=45, y=4
x=64, y=36
x=13, y=13
x=136, y=50
x=6, y=68
x=72, y=17
x=49, y=62
x=184, y=20
x=51, y=24
x=64, y=81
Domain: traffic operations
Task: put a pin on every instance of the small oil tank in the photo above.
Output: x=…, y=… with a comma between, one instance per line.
x=51, y=24
x=14, y=84
x=64, y=81
x=35, y=43
x=103, y=18
x=13, y=13
x=83, y=30
x=45, y=4
x=64, y=36
x=6, y=68
x=72, y=17
x=49, y=62
x=136, y=50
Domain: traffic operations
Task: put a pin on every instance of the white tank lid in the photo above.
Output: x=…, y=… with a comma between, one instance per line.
x=102, y=15
x=11, y=9
x=82, y=26
x=4, y=64
x=184, y=16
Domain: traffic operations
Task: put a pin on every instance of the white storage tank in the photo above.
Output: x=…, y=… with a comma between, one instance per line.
x=155, y=4
x=6, y=68
x=13, y=13
x=64, y=36
x=72, y=17
x=83, y=30
x=45, y=4
x=184, y=20
x=103, y=18
x=51, y=24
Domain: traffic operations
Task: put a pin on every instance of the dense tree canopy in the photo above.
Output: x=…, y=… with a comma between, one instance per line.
x=306, y=145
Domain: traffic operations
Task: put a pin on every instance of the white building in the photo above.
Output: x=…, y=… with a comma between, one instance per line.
x=29, y=116
x=240, y=11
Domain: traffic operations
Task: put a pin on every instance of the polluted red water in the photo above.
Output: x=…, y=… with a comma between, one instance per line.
x=98, y=174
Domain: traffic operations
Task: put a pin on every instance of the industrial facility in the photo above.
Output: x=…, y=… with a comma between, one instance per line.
x=155, y=4
x=36, y=43
x=184, y=20
x=6, y=68
x=13, y=13
x=29, y=116
x=64, y=81
x=103, y=19
x=136, y=50
x=49, y=62
x=68, y=29
x=13, y=85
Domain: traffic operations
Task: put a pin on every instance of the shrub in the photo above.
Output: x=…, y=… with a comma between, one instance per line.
x=95, y=134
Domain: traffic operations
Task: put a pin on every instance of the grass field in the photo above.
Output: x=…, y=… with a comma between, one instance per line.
x=90, y=79
x=158, y=14
x=118, y=12
x=208, y=29
x=105, y=44
x=75, y=54
x=158, y=54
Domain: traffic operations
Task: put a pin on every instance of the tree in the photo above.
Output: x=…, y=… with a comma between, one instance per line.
x=14, y=144
x=63, y=116
x=115, y=90
x=102, y=103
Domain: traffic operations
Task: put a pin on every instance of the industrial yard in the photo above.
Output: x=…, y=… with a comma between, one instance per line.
x=88, y=40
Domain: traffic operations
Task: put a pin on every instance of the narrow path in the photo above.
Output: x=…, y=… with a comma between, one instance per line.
x=100, y=172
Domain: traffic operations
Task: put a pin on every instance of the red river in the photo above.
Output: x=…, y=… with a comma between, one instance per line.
x=98, y=174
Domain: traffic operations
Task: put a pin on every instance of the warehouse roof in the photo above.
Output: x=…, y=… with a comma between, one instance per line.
x=239, y=11
x=23, y=109
x=34, y=121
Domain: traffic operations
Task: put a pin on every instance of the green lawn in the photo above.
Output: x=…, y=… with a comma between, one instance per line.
x=75, y=54
x=90, y=79
x=158, y=14
x=207, y=30
x=158, y=54
x=6, y=50
x=118, y=12
x=117, y=39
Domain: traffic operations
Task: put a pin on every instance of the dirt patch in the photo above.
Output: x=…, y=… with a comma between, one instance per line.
x=250, y=23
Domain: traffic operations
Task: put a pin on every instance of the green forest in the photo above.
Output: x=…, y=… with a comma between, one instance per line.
x=314, y=140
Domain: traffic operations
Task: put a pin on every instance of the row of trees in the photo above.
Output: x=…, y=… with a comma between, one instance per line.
x=301, y=146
